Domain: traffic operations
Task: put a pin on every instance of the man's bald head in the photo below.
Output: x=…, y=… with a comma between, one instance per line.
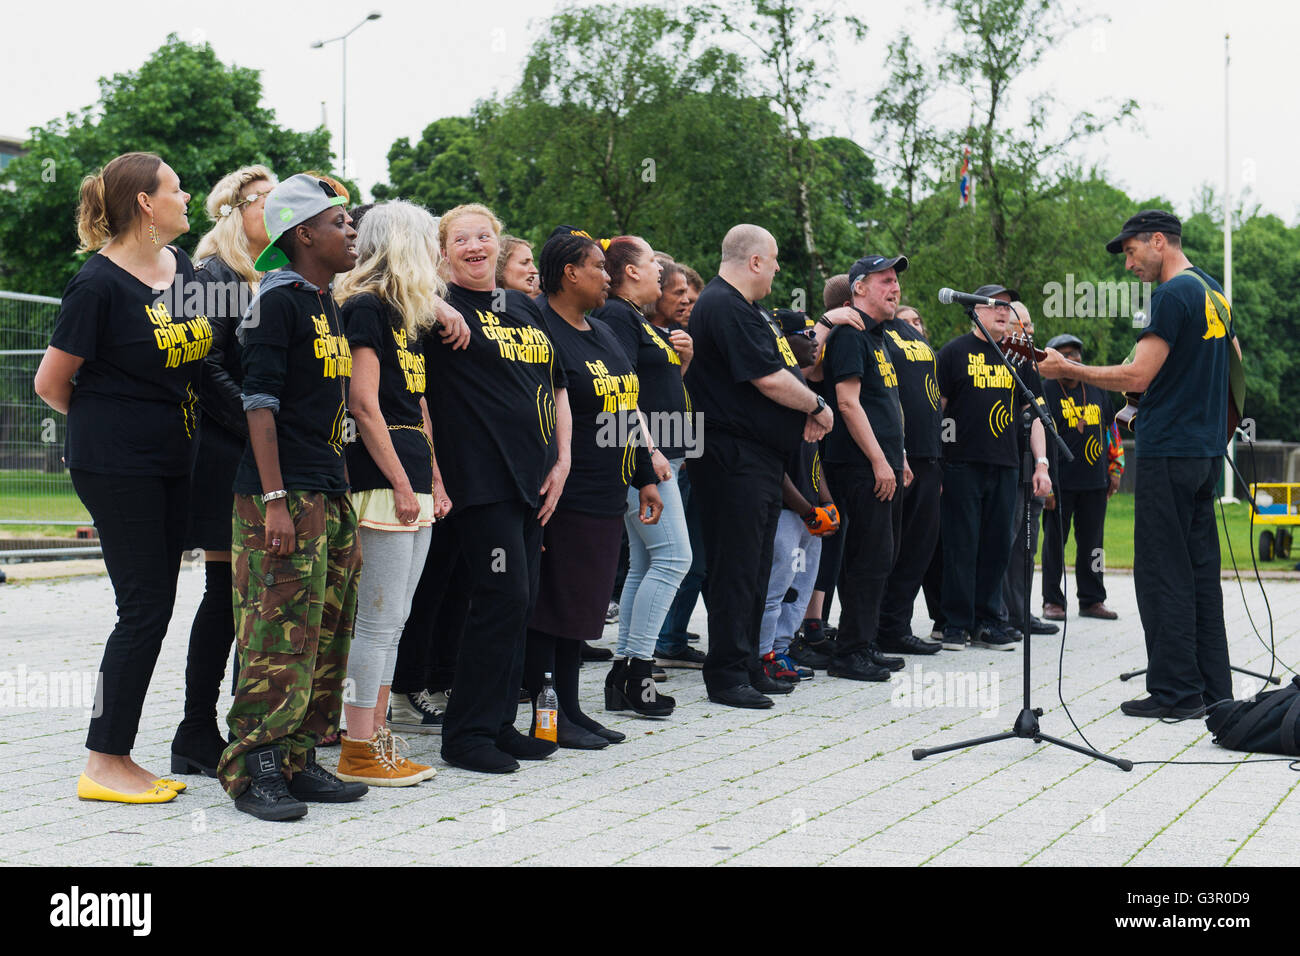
x=749, y=260
x=746, y=240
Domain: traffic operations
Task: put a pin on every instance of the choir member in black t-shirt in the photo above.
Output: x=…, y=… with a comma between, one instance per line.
x=980, y=471
x=582, y=539
x=659, y=554
x=224, y=262
x=918, y=389
x=745, y=381
x=867, y=465
x=135, y=343
x=1080, y=489
x=501, y=425
x=389, y=300
x=294, y=553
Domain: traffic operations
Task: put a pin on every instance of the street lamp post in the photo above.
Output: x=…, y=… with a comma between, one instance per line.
x=374, y=15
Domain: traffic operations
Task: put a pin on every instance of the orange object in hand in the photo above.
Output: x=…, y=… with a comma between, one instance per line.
x=820, y=522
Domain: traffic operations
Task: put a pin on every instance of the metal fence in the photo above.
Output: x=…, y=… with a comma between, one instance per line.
x=40, y=513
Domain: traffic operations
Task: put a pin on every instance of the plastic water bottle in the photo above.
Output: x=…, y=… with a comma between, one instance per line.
x=548, y=711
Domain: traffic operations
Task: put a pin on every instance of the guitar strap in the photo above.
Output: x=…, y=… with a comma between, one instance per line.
x=1236, y=372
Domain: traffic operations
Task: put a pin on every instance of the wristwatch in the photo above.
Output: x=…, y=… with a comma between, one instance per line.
x=274, y=495
x=821, y=404
x=1042, y=461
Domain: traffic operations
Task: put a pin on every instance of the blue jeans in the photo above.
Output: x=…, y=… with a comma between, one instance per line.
x=672, y=636
x=795, y=558
x=659, y=555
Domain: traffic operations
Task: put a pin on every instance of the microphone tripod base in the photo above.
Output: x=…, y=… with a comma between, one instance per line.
x=1026, y=726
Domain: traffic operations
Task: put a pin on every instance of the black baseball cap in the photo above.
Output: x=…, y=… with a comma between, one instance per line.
x=993, y=289
x=869, y=264
x=1064, y=341
x=792, y=321
x=1148, y=220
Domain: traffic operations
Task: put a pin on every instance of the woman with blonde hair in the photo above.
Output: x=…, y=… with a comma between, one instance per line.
x=134, y=342
x=516, y=268
x=224, y=262
x=390, y=301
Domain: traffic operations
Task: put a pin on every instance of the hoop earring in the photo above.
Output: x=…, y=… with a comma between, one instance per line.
x=153, y=232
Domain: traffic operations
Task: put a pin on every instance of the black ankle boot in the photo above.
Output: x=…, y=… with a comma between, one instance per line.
x=267, y=796
x=197, y=747
x=614, y=681
x=638, y=692
x=316, y=784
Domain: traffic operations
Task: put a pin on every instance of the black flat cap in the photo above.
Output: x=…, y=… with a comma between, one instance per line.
x=1148, y=220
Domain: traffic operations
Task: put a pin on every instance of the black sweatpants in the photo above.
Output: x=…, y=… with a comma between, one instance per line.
x=916, y=540
x=1176, y=576
x=739, y=487
x=141, y=524
x=871, y=535
x=426, y=653
x=1087, y=510
x=502, y=545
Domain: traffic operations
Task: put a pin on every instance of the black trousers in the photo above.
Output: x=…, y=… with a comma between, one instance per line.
x=871, y=535
x=739, y=487
x=141, y=524
x=1176, y=575
x=915, y=543
x=828, y=571
x=1087, y=510
x=932, y=583
x=426, y=654
x=502, y=545
x=1015, y=583
x=975, y=509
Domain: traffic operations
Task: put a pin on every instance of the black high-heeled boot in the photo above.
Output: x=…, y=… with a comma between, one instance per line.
x=638, y=692
x=197, y=747
x=613, y=685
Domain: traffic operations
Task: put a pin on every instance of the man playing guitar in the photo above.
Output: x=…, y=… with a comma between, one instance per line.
x=1181, y=363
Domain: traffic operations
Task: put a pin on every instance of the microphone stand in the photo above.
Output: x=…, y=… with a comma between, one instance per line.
x=1026, y=725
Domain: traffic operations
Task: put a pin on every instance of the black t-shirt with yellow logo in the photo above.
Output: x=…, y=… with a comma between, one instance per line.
x=134, y=406
x=862, y=354
x=493, y=403
x=294, y=349
x=664, y=400
x=918, y=387
x=1082, y=416
x=982, y=402
x=735, y=343
x=1184, y=410
x=804, y=468
x=603, y=387
x=371, y=323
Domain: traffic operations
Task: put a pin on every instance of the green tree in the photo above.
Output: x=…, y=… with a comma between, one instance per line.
x=441, y=169
x=202, y=117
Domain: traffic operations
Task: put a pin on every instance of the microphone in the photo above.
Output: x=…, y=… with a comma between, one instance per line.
x=948, y=297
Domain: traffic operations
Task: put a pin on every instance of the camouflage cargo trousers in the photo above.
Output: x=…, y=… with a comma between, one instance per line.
x=293, y=624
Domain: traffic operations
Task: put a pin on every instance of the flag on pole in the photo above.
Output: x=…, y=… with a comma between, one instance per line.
x=965, y=179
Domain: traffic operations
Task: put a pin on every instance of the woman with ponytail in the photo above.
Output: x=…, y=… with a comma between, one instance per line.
x=659, y=554
x=224, y=263
x=135, y=343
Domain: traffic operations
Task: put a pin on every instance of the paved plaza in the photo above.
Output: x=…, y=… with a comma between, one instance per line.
x=825, y=777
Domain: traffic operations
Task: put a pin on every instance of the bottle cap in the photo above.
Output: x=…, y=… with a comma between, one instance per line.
x=546, y=675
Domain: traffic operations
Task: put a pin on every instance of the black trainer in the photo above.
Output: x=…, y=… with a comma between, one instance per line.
x=314, y=784
x=1147, y=707
x=993, y=637
x=955, y=639
x=801, y=652
x=267, y=796
x=907, y=644
x=857, y=666
x=686, y=657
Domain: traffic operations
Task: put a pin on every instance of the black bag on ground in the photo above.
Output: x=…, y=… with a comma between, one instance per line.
x=1268, y=724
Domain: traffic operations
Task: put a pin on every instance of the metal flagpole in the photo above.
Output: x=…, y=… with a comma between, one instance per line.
x=1228, y=486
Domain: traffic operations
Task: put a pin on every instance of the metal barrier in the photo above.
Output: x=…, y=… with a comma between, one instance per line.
x=36, y=494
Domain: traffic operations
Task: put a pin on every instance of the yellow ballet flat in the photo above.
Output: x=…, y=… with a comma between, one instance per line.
x=87, y=789
x=176, y=785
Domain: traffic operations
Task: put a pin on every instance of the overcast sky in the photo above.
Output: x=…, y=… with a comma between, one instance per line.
x=422, y=61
